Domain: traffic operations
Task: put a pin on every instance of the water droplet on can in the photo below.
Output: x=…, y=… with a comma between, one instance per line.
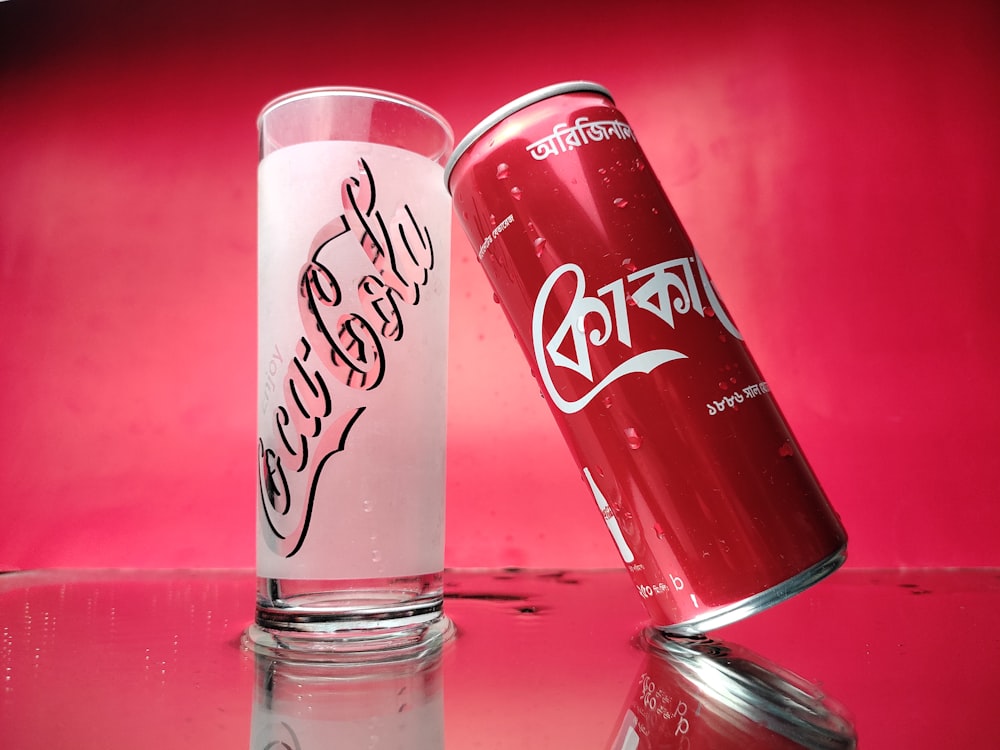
x=515, y=193
x=608, y=401
x=503, y=171
x=628, y=265
x=620, y=202
x=496, y=298
x=539, y=246
x=633, y=438
x=660, y=533
x=786, y=449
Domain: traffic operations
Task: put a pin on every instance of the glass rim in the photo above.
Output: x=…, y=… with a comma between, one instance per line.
x=390, y=97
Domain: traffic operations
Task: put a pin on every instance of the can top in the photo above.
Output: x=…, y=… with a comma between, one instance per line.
x=507, y=110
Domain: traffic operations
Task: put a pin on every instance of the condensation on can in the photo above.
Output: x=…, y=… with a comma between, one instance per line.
x=705, y=491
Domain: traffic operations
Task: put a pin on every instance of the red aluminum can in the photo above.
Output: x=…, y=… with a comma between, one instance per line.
x=712, y=505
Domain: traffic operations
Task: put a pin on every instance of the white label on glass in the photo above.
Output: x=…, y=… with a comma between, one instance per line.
x=352, y=351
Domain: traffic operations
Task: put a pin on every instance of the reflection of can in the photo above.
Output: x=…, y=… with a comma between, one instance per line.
x=706, y=695
x=713, y=508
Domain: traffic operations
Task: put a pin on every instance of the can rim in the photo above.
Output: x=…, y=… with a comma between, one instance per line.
x=507, y=110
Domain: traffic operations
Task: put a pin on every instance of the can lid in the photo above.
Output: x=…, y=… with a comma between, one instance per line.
x=520, y=103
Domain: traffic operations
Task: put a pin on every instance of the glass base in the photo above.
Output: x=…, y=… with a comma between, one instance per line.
x=369, y=620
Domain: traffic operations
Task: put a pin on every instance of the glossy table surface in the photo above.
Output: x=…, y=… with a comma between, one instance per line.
x=542, y=659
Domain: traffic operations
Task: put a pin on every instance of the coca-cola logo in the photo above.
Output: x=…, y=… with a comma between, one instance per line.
x=666, y=290
x=348, y=327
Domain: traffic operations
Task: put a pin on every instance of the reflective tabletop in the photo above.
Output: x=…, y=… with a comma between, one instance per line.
x=541, y=659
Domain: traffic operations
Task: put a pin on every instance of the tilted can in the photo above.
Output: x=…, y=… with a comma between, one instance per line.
x=713, y=507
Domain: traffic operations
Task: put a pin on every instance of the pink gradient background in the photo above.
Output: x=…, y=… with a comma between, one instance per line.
x=836, y=167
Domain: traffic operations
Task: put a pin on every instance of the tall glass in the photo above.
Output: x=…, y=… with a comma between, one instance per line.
x=353, y=273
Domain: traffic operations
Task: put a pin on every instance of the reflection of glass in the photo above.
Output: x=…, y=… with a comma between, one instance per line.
x=354, y=229
x=706, y=695
x=301, y=704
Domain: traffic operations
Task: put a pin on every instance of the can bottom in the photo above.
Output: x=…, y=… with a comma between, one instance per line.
x=758, y=602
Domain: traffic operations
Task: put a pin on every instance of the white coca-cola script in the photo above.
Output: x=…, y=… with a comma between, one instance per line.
x=338, y=345
x=665, y=290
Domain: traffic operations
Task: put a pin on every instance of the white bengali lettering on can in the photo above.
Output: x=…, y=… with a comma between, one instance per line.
x=567, y=138
x=666, y=290
x=488, y=239
x=733, y=400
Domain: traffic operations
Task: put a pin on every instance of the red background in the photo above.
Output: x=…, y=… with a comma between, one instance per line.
x=835, y=166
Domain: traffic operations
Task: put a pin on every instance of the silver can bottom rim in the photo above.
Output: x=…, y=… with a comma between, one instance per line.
x=744, y=608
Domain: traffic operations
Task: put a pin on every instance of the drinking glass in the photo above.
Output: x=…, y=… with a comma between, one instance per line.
x=353, y=274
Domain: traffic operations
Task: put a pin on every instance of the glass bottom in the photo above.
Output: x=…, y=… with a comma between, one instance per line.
x=375, y=619
x=758, y=602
